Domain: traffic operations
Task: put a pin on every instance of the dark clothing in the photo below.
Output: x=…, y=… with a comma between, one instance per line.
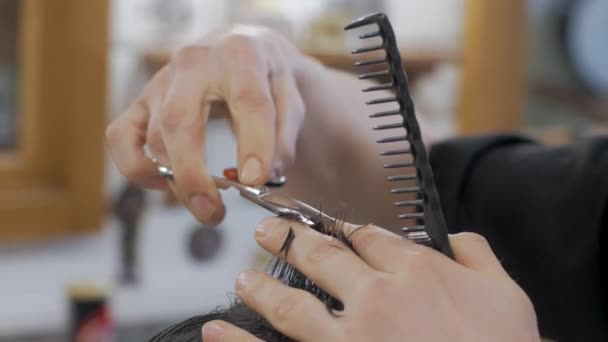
x=544, y=211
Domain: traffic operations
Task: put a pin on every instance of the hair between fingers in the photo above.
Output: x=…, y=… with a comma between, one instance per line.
x=238, y=314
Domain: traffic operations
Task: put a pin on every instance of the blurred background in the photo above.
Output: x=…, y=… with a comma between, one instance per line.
x=74, y=235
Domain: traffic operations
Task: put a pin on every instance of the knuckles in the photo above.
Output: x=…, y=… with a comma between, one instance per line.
x=365, y=237
x=191, y=56
x=243, y=48
x=188, y=179
x=114, y=132
x=154, y=141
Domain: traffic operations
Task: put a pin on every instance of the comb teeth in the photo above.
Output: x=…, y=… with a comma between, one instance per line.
x=392, y=139
x=386, y=113
x=382, y=100
x=395, y=152
x=374, y=74
x=399, y=178
x=411, y=203
x=368, y=49
x=412, y=189
x=420, y=237
x=417, y=216
x=374, y=18
x=370, y=62
x=427, y=224
x=384, y=86
x=370, y=34
x=398, y=165
x=413, y=229
x=388, y=126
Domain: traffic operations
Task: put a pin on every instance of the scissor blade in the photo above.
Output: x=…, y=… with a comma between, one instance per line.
x=253, y=194
x=276, y=202
x=242, y=188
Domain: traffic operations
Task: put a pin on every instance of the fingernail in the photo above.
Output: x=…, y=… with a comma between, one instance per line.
x=260, y=232
x=212, y=331
x=251, y=171
x=242, y=281
x=266, y=226
x=202, y=206
x=262, y=229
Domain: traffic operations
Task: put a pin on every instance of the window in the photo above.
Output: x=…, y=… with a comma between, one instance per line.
x=51, y=161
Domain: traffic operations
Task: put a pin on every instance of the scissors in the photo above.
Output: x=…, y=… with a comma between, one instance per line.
x=267, y=197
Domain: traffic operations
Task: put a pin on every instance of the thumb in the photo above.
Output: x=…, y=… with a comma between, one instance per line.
x=473, y=251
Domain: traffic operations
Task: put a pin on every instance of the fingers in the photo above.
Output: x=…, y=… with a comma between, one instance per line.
x=182, y=121
x=247, y=92
x=386, y=251
x=290, y=114
x=126, y=137
x=473, y=251
x=293, y=312
x=316, y=255
x=216, y=331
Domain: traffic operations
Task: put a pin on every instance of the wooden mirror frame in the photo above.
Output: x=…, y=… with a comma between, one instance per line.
x=52, y=184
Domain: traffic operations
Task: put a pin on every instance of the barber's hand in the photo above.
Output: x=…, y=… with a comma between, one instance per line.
x=253, y=70
x=392, y=290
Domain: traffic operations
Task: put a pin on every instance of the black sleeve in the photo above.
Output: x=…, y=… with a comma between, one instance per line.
x=543, y=210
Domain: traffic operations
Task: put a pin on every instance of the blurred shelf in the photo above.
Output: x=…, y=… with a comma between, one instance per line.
x=416, y=62
x=596, y=107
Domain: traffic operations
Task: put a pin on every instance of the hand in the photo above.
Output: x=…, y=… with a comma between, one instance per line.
x=254, y=71
x=391, y=288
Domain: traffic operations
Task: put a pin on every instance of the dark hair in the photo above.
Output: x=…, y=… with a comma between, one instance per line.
x=238, y=314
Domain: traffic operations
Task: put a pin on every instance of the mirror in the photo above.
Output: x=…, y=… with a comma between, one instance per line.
x=9, y=71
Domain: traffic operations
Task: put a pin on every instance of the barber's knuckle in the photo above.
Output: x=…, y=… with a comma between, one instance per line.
x=242, y=46
x=364, y=237
x=114, y=132
x=191, y=56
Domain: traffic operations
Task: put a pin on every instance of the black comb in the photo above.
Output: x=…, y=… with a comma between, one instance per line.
x=428, y=224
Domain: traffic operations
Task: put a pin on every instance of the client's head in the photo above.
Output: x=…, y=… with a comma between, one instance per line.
x=238, y=314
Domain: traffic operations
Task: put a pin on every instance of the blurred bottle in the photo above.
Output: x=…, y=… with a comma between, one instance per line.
x=90, y=319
